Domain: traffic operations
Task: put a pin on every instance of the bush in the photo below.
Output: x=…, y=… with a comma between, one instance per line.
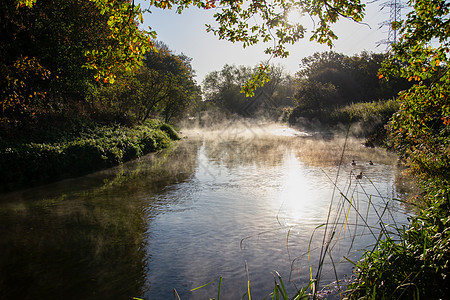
x=169, y=131
x=370, y=116
x=78, y=154
x=416, y=267
x=367, y=112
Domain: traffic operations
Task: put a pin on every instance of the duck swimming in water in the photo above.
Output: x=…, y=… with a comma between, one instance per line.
x=370, y=163
x=353, y=162
x=359, y=176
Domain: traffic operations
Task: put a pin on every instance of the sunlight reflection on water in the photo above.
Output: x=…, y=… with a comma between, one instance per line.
x=233, y=195
x=262, y=194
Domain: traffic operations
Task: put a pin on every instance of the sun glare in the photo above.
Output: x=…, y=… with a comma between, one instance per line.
x=298, y=196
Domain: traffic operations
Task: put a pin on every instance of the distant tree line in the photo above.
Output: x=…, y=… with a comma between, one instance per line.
x=223, y=90
x=325, y=83
x=329, y=80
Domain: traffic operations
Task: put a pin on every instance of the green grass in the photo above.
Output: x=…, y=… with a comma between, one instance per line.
x=368, y=118
x=415, y=267
x=365, y=112
x=78, y=151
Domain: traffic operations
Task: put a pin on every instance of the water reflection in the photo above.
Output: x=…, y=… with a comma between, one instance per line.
x=201, y=210
x=83, y=238
x=258, y=199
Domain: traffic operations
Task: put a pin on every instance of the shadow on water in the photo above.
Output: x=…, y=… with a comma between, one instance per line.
x=83, y=238
x=181, y=218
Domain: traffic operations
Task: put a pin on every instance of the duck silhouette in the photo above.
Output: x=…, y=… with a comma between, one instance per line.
x=370, y=163
x=359, y=176
x=353, y=162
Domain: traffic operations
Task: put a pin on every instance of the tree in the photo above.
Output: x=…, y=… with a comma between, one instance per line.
x=315, y=96
x=22, y=76
x=327, y=80
x=223, y=88
x=72, y=36
x=420, y=129
x=51, y=50
x=164, y=85
x=319, y=61
x=184, y=94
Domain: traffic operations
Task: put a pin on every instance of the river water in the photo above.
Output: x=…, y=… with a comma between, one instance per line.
x=244, y=202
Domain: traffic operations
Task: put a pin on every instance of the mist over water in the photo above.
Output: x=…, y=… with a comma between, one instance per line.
x=262, y=190
x=225, y=197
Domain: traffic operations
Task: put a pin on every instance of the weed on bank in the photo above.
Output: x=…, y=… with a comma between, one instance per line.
x=76, y=153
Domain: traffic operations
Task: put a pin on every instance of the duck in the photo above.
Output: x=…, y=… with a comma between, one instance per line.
x=370, y=163
x=359, y=176
x=353, y=162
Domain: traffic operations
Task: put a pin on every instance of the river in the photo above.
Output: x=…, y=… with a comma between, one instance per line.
x=241, y=202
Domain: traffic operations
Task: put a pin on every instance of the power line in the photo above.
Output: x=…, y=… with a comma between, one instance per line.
x=395, y=7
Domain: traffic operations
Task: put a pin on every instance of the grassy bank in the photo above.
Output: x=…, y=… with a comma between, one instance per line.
x=366, y=112
x=76, y=149
x=367, y=118
x=414, y=267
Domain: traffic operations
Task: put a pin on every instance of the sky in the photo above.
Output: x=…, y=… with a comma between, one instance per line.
x=186, y=33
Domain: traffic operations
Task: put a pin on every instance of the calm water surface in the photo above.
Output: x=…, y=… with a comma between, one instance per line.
x=235, y=203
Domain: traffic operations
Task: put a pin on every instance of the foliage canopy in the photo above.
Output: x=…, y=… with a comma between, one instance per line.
x=253, y=21
x=420, y=134
x=420, y=129
x=52, y=50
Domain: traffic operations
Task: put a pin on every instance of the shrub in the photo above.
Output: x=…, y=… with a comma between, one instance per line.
x=77, y=154
x=170, y=131
x=416, y=267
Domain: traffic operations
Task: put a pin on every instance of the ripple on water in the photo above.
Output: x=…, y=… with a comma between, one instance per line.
x=202, y=211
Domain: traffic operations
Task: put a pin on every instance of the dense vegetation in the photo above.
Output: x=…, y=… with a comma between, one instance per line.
x=331, y=88
x=78, y=81
x=88, y=60
x=70, y=56
x=79, y=150
x=417, y=266
x=222, y=91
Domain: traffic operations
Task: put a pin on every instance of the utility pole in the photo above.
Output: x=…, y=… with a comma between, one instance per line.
x=395, y=7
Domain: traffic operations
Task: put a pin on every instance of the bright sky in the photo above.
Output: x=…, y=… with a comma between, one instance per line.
x=186, y=33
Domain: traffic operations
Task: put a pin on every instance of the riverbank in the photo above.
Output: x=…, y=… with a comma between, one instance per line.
x=366, y=119
x=76, y=150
